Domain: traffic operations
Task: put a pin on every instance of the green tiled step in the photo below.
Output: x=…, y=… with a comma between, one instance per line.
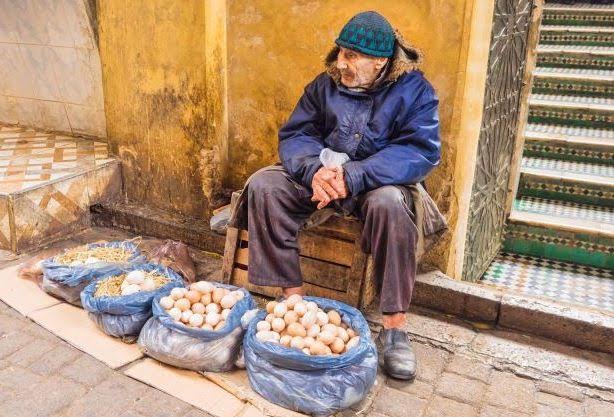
x=578, y=14
x=591, y=112
x=575, y=56
x=566, y=232
x=570, y=144
x=567, y=181
x=573, y=81
x=577, y=35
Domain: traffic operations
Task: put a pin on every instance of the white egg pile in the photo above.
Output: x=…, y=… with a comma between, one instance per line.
x=302, y=325
x=203, y=306
x=137, y=281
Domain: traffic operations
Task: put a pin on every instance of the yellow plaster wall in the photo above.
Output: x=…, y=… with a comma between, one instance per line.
x=154, y=62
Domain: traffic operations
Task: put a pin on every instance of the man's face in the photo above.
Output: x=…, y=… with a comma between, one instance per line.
x=358, y=70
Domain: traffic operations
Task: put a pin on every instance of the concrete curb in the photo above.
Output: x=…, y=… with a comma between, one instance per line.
x=571, y=324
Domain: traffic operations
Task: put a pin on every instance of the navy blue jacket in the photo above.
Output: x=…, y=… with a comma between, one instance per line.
x=390, y=133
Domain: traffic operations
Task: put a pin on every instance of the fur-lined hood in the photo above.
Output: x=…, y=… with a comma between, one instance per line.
x=406, y=58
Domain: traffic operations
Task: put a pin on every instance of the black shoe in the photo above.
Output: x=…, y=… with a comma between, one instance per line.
x=397, y=358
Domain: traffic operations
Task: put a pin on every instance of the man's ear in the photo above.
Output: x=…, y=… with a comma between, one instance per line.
x=380, y=63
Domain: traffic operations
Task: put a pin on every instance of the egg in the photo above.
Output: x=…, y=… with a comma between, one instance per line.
x=317, y=348
x=196, y=320
x=343, y=334
x=278, y=324
x=295, y=329
x=300, y=308
x=182, y=304
x=167, y=303
x=212, y=318
x=352, y=343
x=322, y=318
x=206, y=299
x=309, y=319
x=266, y=336
x=280, y=310
x=308, y=341
x=238, y=294
x=285, y=340
x=270, y=306
x=313, y=330
x=292, y=300
x=136, y=277
x=297, y=342
x=130, y=289
x=326, y=337
x=198, y=308
x=175, y=313
x=263, y=326
x=290, y=317
x=207, y=326
x=327, y=351
x=220, y=325
x=334, y=318
x=228, y=301
x=186, y=315
x=351, y=333
x=202, y=287
x=212, y=308
x=225, y=313
x=337, y=345
x=306, y=351
x=193, y=296
x=177, y=293
x=148, y=284
x=329, y=328
x=269, y=317
x=218, y=294
x=311, y=306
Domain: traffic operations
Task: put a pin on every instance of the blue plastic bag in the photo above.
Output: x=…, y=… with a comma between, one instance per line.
x=67, y=282
x=124, y=316
x=319, y=385
x=173, y=343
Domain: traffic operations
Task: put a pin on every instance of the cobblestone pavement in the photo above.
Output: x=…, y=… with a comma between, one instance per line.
x=465, y=370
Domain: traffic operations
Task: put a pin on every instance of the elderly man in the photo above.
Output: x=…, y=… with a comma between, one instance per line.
x=376, y=114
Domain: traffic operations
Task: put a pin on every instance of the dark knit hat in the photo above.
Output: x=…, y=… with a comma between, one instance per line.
x=369, y=33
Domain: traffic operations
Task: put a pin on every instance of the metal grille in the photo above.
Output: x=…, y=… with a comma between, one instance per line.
x=506, y=65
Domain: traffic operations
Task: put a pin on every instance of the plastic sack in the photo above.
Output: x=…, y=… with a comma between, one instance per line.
x=125, y=315
x=67, y=282
x=319, y=385
x=219, y=221
x=331, y=159
x=175, y=255
x=173, y=343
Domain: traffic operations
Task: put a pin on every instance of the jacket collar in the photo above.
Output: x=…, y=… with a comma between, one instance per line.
x=406, y=58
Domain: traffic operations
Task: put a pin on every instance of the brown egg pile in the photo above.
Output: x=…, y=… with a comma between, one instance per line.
x=203, y=306
x=303, y=325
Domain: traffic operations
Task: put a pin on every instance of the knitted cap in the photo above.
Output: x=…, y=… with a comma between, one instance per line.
x=369, y=33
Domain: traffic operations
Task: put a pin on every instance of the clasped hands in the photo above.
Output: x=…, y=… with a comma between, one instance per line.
x=328, y=185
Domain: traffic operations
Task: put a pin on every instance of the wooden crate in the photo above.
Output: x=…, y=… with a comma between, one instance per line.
x=332, y=263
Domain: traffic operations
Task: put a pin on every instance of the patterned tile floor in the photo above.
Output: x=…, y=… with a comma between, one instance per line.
x=570, y=130
x=29, y=158
x=562, y=281
x=569, y=209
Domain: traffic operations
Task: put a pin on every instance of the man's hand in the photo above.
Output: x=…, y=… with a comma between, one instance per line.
x=328, y=185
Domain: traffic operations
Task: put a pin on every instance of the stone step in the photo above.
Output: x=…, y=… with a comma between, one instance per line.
x=576, y=35
x=563, y=231
x=573, y=81
x=569, y=143
x=595, y=112
x=578, y=14
x=581, y=182
x=575, y=56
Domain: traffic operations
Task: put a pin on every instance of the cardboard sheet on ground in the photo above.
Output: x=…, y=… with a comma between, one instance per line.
x=23, y=295
x=237, y=383
x=73, y=325
x=188, y=386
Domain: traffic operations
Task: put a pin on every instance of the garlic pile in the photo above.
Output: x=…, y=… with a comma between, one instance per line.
x=130, y=283
x=203, y=305
x=303, y=325
x=137, y=281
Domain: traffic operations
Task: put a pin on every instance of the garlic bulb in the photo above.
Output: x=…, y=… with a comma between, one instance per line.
x=136, y=277
x=148, y=285
x=130, y=289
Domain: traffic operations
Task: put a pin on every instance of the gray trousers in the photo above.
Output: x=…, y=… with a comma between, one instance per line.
x=279, y=206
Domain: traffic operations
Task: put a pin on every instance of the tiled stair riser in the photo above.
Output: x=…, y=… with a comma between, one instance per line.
x=583, y=38
x=547, y=243
x=556, y=86
x=572, y=117
x=555, y=189
x=587, y=18
x=576, y=60
x=569, y=151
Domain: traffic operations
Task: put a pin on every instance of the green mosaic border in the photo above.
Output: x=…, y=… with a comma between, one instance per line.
x=577, y=18
x=567, y=152
x=577, y=193
x=583, y=38
x=546, y=59
x=571, y=117
x=556, y=86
